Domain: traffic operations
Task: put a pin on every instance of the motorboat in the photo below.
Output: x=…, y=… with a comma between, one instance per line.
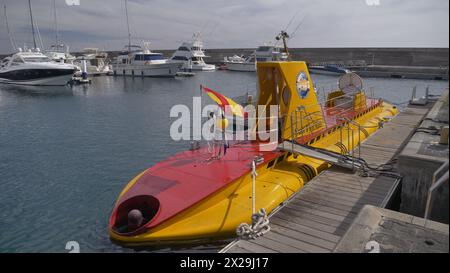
x=32, y=67
x=240, y=63
x=264, y=53
x=333, y=70
x=192, y=55
x=142, y=62
x=97, y=62
x=60, y=54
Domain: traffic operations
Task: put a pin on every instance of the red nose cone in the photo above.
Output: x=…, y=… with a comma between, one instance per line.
x=148, y=205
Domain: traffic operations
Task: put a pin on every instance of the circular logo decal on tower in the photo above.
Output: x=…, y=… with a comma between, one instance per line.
x=302, y=85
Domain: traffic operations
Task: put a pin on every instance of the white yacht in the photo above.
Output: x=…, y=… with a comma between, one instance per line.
x=31, y=67
x=97, y=62
x=140, y=61
x=191, y=55
x=240, y=63
x=264, y=53
x=58, y=54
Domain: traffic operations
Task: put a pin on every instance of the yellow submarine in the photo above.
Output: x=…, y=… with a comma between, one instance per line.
x=194, y=197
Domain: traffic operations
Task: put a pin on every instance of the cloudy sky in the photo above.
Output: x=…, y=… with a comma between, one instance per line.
x=233, y=23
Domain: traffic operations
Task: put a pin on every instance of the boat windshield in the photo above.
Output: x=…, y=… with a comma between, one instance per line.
x=148, y=57
x=36, y=59
x=250, y=59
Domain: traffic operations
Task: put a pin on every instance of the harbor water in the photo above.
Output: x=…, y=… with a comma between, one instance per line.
x=67, y=152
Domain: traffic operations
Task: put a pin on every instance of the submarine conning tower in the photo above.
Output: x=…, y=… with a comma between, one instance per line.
x=288, y=85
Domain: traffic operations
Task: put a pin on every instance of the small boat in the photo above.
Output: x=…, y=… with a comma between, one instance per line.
x=185, y=74
x=222, y=66
x=60, y=54
x=80, y=80
x=191, y=55
x=200, y=195
x=333, y=70
x=31, y=67
x=96, y=60
x=240, y=63
x=264, y=53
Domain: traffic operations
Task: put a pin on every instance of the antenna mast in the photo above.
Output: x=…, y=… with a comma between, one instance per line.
x=128, y=25
x=32, y=25
x=284, y=36
x=11, y=38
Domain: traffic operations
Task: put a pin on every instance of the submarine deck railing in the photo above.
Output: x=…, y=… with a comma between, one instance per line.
x=298, y=129
x=303, y=123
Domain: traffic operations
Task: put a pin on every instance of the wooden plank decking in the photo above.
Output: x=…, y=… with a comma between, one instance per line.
x=316, y=218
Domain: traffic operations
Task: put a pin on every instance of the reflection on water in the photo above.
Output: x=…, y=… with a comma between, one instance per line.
x=67, y=152
x=42, y=91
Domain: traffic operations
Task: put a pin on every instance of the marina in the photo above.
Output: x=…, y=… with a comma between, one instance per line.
x=202, y=145
x=107, y=157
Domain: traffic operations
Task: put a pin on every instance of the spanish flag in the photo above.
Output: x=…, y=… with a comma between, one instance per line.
x=223, y=101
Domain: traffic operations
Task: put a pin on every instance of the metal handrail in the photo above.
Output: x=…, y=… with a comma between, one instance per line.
x=328, y=100
x=435, y=185
x=301, y=115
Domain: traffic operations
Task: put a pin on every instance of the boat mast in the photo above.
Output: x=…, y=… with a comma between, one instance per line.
x=55, y=18
x=32, y=24
x=128, y=26
x=11, y=38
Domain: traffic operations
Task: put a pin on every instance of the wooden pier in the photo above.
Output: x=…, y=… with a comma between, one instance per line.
x=315, y=219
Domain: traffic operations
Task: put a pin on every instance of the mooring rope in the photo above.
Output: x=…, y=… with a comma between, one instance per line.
x=259, y=227
x=260, y=220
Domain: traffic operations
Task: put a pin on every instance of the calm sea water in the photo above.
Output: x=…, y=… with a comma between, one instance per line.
x=66, y=152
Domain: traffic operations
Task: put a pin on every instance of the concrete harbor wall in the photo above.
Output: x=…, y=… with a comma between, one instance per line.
x=418, y=161
x=428, y=57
